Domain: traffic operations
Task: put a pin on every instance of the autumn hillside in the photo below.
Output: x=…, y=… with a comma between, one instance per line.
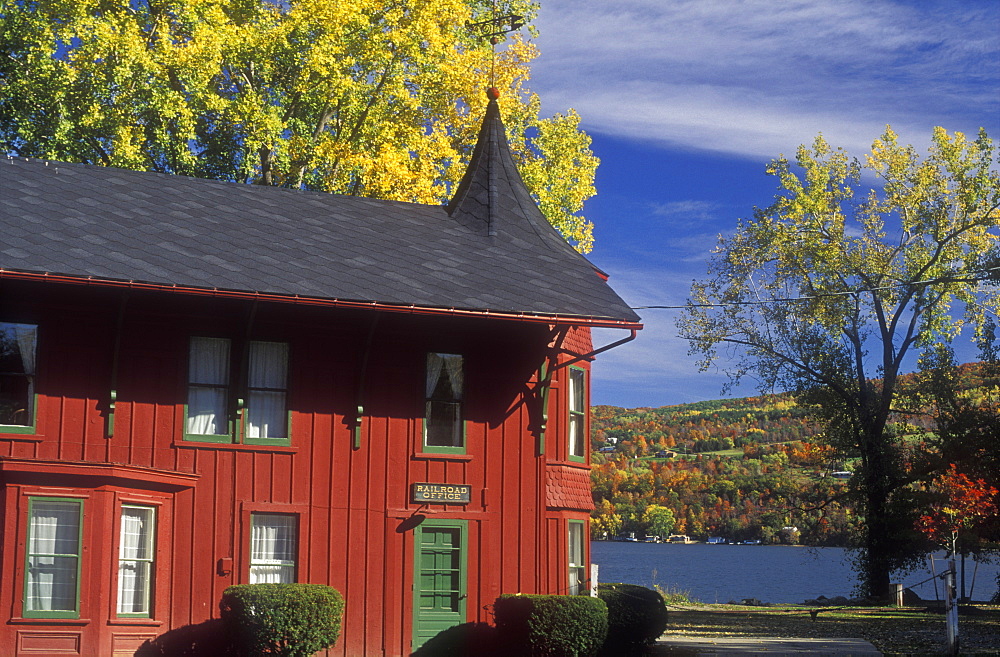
x=742, y=469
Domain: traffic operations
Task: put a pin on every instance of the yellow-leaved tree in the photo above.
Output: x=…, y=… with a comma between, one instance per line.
x=380, y=99
x=858, y=267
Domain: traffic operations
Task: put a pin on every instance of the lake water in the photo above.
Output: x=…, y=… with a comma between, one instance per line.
x=771, y=573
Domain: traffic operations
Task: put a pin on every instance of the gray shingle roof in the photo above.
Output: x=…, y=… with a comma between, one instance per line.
x=90, y=221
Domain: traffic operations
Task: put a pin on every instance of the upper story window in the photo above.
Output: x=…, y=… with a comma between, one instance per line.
x=52, y=573
x=577, y=414
x=17, y=377
x=444, y=428
x=208, y=387
x=252, y=408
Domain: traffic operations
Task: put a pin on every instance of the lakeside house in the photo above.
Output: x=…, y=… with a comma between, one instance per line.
x=206, y=383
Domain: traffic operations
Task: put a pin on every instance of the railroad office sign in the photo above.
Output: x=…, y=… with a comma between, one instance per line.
x=442, y=493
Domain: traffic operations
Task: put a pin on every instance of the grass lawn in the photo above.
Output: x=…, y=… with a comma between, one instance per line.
x=908, y=630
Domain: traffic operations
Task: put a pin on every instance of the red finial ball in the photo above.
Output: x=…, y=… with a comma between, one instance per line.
x=492, y=93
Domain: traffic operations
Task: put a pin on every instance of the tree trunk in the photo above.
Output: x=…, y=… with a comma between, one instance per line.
x=878, y=544
x=879, y=537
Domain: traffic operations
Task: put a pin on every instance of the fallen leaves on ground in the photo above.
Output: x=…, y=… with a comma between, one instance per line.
x=907, y=630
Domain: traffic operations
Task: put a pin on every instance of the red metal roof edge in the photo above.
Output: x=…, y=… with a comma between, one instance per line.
x=597, y=322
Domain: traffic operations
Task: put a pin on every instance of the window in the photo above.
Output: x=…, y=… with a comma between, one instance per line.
x=216, y=410
x=577, y=414
x=267, y=417
x=273, y=538
x=135, y=560
x=17, y=377
x=52, y=573
x=208, y=387
x=577, y=569
x=444, y=429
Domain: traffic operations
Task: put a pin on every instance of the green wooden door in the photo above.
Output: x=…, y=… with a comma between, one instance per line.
x=439, y=590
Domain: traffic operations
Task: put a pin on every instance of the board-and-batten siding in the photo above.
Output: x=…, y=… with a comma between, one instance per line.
x=352, y=504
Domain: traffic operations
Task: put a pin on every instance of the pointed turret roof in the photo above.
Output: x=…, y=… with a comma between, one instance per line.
x=492, y=195
x=490, y=251
x=493, y=200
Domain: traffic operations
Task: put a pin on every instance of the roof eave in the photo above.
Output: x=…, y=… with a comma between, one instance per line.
x=412, y=309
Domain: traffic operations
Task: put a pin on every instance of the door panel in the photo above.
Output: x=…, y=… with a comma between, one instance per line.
x=440, y=579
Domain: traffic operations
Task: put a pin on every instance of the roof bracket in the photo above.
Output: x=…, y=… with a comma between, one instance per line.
x=593, y=353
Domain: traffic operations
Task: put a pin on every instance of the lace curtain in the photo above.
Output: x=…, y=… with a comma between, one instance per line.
x=438, y=364
x=272, y=548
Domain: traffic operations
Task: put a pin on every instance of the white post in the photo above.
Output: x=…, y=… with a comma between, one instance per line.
x=593, y=579
x=951, y=608
x=898, y=590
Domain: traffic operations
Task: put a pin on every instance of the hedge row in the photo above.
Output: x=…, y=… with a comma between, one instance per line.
x=623, y=620
x=297, y=620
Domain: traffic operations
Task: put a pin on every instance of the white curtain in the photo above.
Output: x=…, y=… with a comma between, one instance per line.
x=135, y=553
x=272, y=548
x=53, y=549
x=26, y=343
x=267, y=414
x=440, y=363
x=208, y=372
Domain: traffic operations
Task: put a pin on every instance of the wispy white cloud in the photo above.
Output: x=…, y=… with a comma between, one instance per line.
x=750, y=79
x=758, y=77
x=687, y=209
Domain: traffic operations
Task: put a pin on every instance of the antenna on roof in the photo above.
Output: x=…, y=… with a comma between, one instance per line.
x=494, y=28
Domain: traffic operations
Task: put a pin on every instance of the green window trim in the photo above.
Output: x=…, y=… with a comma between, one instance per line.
x=30, y=429
x=26, y=611
x=207, y=437
x=442, y=449
x=273, y=441
x=230, y=384
x=576, y=417
x=18, y=374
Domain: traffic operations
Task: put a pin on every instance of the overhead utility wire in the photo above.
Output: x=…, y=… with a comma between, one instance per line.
x=946, y=279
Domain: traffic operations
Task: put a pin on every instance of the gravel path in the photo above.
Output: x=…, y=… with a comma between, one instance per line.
x=893, y=631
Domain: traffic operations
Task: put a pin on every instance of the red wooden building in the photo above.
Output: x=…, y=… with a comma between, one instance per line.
x=206, y=383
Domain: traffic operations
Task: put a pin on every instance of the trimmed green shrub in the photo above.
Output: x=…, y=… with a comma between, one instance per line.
x=637, y=617
x=290, y=620
x=551, y=625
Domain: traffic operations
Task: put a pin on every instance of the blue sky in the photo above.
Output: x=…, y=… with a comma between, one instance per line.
x=687, y=101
